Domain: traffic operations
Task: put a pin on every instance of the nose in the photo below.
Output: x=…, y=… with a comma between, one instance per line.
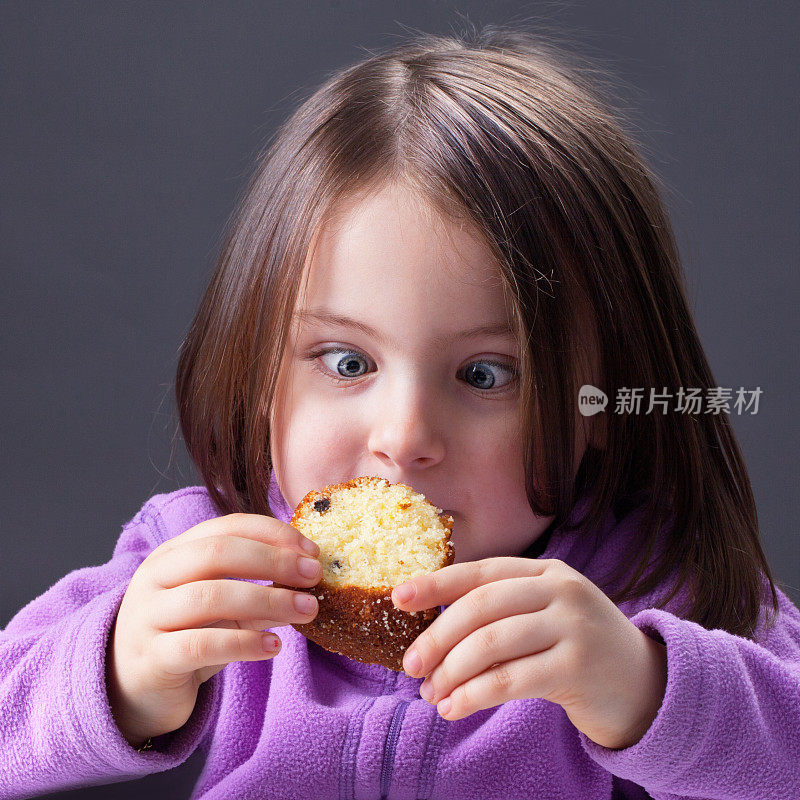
x=406, y=431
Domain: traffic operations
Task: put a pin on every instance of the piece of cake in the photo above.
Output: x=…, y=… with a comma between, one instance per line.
x=373, y=535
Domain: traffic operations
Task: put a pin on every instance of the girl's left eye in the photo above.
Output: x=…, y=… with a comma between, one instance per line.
x=349, y=364
x=484, y=378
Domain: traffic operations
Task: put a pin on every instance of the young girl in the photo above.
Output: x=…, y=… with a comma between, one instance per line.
x=437, y=251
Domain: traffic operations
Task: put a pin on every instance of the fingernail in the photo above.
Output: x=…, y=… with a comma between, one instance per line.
x=308, y=567
x=304, y=603
x=426, y=691
x=412, y=662
x=270, y=642
x=404, y=592
x=444, y=707
x=309, y=546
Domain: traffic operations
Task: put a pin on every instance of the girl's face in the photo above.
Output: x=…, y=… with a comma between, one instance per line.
x=401, y=364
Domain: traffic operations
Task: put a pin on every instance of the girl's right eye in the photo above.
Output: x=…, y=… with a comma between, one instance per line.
x=346, y=363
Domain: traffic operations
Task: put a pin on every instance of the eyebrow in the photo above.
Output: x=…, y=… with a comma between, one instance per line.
x=323, y=315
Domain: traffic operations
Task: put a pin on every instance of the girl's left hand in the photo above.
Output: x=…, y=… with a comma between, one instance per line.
x=520, y=628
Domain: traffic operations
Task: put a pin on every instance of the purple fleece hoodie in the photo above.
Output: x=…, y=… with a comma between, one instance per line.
x=314, y=724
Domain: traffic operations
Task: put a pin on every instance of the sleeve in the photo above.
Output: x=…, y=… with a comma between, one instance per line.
x=729, y=725
x=57, y=730
x=626, y=790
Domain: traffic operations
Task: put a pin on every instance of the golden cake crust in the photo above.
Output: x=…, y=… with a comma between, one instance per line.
x=359, y=622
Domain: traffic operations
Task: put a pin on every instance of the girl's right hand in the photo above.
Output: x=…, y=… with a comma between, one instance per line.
x=181, y=621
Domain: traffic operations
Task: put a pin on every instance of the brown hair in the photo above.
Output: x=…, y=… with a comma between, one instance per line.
x=501, y=129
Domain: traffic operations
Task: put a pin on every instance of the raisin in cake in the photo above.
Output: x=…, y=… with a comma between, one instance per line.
x=373, y=535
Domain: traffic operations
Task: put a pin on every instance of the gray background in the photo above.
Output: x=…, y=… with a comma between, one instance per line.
x=128, y=129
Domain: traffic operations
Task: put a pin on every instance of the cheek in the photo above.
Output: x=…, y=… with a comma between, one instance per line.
x=492, y=463
x=505, y=503
x=506, y=525
x=310, y=446
x=503, y=482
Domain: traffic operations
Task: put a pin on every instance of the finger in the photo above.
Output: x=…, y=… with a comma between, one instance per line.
x=251, y=526
x=199, y=603
x=245, y=625
x=231, y=557
x=523, y=678
x=503, y=640
x=475, y=610
x=446, y=585
x=183, y=652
